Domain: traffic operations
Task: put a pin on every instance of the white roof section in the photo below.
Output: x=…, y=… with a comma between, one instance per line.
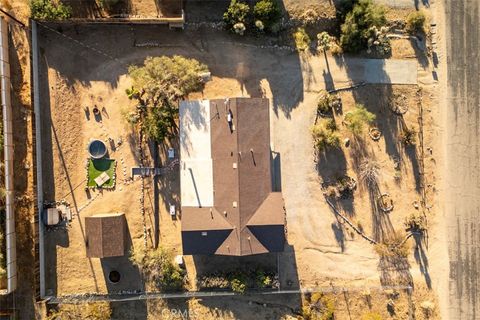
x=196, y=169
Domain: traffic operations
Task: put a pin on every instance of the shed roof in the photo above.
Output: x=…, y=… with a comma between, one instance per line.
x=105, y=235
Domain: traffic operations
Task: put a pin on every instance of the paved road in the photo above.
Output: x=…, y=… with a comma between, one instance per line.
x=463, y=157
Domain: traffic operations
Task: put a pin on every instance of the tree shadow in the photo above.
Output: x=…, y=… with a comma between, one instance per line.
x=421, y=258
x=395, y=271
x=382, y=227
x=339, y=234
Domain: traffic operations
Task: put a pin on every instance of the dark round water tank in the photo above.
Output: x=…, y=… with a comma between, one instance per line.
x=97, y=149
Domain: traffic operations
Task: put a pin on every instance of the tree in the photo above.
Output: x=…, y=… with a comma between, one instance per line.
x=266, y=11
x=174, y=77
x=355, y=30
x=237, y=12
x=49, y=10
x=416, y=22
x=324, y=41
x=158, y=266
x=356, y=119
x=324, y=135
x=158, y=85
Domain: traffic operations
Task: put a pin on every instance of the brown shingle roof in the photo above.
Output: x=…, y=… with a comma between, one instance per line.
x=241, y=180
x=105, y=235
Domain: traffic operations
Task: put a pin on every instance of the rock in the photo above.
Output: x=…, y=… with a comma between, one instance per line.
x=347, y=142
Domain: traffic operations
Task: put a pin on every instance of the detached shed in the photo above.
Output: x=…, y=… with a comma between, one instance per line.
x=105, y=235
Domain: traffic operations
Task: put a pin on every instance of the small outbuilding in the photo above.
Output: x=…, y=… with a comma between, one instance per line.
x=105, y=235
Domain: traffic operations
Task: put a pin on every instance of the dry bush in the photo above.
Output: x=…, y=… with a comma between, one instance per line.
x=90, y=310
x=369, y=171
x=394, y=246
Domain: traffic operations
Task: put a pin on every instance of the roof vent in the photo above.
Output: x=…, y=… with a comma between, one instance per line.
x=234, y=204
x=234, y=165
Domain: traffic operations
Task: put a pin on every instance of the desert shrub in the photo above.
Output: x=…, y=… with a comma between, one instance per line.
x=327, y=102
x=371, y=316
x=266, y=11
x=324, y=135
x=416, y=22
x=49, y=10
x=428, y=308
x=262, y=280
x=415, y=222
x=356, y=119
x=355, y=30
x=259, y=25
x=392, y=247
x=238, y=284
x=158, y=267
x=237, y=12
x=319, y=306
x=369, y=171
x=89, y=310
x=324, y=41
x=302, y=39
x=239, y=28
x=407, y=136
x=378, y=41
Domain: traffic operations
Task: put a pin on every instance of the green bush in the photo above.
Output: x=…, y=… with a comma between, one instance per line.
x=327, y=102
x=237, y=12
x=324, y=135
x=266, y=11
x=262, y=280
x=49, y=10
x=356, y=119
x=238, y=284
x=355, y=30
x=416, y=22
x=302, y=39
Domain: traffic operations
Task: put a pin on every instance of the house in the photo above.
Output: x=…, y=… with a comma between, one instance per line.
x=105, y=235
x=228, y=206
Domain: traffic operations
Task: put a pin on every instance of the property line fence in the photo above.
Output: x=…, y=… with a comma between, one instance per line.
x=10, y=235
x=122, y=297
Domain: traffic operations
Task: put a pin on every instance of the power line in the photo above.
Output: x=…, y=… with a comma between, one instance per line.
x=13, y=18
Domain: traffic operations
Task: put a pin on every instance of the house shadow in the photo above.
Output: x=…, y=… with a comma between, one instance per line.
x=119, y=272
